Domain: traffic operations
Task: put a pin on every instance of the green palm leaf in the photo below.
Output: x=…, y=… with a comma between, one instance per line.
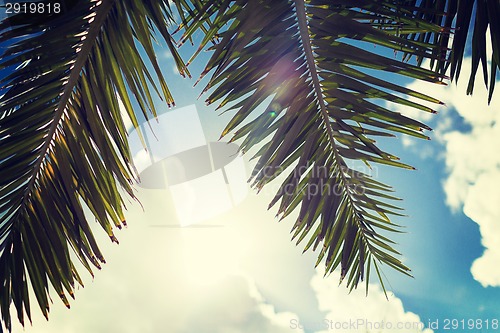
x=311, y=60
x=64, y=143
x=469, y=20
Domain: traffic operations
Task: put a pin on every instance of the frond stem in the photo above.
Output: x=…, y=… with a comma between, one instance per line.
x=306, y=44
x=311, y=65
x=88, y=44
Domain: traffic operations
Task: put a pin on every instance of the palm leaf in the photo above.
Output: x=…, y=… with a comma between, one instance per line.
x=64, y=143
x=311, y=59
x=469, y=20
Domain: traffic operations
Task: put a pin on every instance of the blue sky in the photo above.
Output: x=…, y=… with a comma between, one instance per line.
x=247, y=276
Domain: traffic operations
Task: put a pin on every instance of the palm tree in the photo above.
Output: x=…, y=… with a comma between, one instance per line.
x=64, y=144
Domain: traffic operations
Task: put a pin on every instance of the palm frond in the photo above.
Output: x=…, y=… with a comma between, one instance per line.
x=310, y=58
x=469, y=21
x=64, y=143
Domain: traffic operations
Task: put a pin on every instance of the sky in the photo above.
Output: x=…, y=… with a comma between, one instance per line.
x=238, y=271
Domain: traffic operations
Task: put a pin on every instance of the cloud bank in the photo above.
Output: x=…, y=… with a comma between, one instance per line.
x=472, y=162
x=356, y=312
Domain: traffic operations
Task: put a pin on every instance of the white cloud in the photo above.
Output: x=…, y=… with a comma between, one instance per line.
x=235, y=305
x=482, y=205
x=167, y=279
x=356, y=312
x=245, y=277
x=408, y=141
x=472, y=162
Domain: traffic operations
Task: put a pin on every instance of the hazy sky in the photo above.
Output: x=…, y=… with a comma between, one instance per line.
x=239, y=272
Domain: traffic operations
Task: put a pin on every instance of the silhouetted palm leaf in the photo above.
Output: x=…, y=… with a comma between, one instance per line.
x=64, y=144
x=63, y=140
x=309, y=57
x=464, y=18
